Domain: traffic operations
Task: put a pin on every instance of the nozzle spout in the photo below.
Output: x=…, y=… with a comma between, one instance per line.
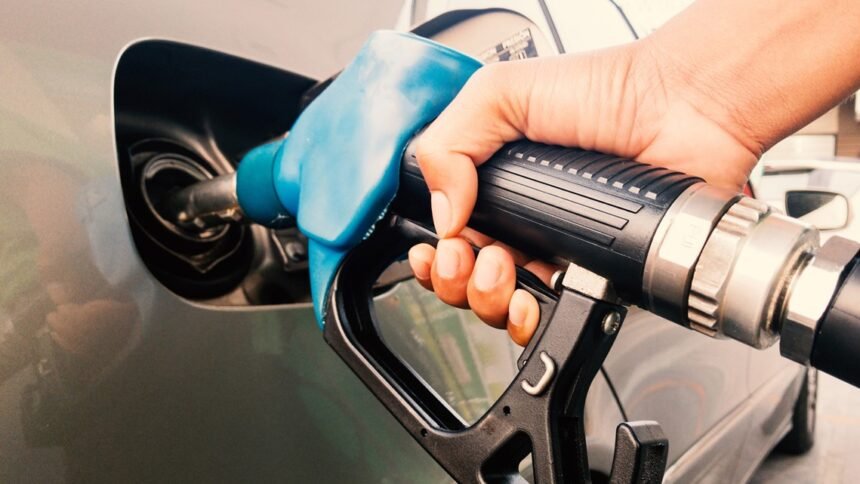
x=205, y=204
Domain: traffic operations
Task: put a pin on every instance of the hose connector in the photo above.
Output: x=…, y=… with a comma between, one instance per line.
x=810, y=296
x=742, y=277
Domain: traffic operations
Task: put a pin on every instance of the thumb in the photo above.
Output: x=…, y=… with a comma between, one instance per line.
x=487, y=113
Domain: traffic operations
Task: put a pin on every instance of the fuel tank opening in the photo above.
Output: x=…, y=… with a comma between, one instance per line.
x=181, y=121
x=167, y=175
x=194, y=263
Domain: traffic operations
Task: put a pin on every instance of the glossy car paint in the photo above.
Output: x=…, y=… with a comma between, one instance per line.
x=158, y=388
x=164, y=389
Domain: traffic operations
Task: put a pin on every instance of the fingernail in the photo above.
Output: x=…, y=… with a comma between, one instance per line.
x=441, y=208
x=447, y=262
x=422, y=270
x=517, y=315
x=487, y=275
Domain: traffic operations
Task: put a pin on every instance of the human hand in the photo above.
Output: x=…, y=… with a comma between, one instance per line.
x=622, y=101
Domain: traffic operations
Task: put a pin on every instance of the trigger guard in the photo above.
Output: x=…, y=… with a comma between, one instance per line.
x=548, y=424
x=546, y=297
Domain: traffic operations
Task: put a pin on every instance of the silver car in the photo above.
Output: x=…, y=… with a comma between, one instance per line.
x=135, y=352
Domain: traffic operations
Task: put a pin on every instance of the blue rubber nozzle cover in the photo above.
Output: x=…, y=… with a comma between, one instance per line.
x=338, y=169
x=255, y=187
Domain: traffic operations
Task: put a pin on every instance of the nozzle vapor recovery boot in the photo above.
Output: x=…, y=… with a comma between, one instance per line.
x=339, y=168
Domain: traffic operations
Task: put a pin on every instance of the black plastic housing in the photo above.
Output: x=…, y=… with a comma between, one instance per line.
x=563, y=357
x=181, y=102
x=836, y=350
x=599, y=211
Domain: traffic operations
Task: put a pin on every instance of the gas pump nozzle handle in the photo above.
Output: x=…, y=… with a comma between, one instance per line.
x=718, y=262
x=714, y=261
x=564, y=204
x=708, y=259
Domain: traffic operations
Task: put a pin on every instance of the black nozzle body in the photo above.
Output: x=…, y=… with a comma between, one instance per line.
x=836, y=348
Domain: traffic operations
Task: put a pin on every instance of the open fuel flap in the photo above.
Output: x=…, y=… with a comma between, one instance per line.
x=184, y=115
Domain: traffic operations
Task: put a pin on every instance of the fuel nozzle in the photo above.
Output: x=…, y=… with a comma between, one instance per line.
x=252, y=194
x=203, y=205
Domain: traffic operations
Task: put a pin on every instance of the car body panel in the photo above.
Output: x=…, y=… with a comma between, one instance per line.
x=772, y=403
x=743, y=438
x=680, y=378
x=168, y=390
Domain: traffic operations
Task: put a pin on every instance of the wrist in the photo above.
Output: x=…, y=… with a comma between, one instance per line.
x=676, y=80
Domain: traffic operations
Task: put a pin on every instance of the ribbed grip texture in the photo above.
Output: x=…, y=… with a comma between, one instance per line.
x=599, y=211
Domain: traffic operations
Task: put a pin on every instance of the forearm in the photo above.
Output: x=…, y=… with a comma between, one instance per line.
x=761, y=68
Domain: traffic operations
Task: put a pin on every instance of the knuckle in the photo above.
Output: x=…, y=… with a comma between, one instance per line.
x=489, y=314
x=428, y=151
x=496, y=251
x=487, y=74
x=445, y=296
x=423, y=150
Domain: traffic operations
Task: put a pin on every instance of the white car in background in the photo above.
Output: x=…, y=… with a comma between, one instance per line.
x=824, y=192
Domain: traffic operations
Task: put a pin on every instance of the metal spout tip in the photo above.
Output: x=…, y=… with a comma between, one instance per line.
x=204, y=205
